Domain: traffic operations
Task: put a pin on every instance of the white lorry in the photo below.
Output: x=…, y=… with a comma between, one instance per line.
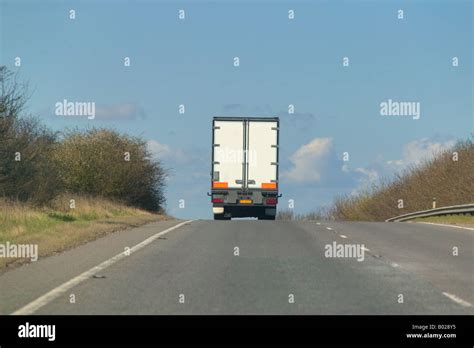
x=244, y=175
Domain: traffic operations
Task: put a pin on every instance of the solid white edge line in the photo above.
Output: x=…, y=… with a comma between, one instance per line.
x=43, y=300
x=457, y=299
x=444, y=225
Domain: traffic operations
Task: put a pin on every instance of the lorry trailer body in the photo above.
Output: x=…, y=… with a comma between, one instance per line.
x=244, y=174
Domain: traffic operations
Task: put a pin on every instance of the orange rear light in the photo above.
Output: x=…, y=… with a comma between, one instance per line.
x=217, y=184
x=269, y=185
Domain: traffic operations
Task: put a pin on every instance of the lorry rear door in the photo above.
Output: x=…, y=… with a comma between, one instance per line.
x=228, y=154
x=262, y=154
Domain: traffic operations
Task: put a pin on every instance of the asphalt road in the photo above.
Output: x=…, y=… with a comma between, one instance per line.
x=281, y=268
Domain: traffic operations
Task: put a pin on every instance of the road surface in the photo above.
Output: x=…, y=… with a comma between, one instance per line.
x=254, y=267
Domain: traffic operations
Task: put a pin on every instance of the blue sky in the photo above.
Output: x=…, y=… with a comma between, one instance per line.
x=282, y=62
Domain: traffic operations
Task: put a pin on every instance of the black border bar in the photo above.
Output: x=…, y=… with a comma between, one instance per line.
x=134, y=331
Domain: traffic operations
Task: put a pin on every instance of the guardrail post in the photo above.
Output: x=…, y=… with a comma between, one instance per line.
x=434, y=202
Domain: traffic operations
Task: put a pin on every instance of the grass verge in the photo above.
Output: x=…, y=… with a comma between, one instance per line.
x=58, y=227
x=459, y=220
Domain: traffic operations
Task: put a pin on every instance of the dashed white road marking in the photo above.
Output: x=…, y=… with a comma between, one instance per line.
x=318, y=223
x=457, y=299
x=444, y=225
x=329, y=228
x=394, y=264
x=61, y=289
x=342, y=236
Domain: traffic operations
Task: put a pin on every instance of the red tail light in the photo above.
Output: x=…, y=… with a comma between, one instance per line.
x=272, y=201
x=217, y=200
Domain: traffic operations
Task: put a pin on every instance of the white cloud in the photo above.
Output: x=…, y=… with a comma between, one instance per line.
x=158, y=149
x=182, y=165
x=309, y=161
x=165, y=152
x=370, y=176
x=417, y=151
x=366, y=178
x=413, y=153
